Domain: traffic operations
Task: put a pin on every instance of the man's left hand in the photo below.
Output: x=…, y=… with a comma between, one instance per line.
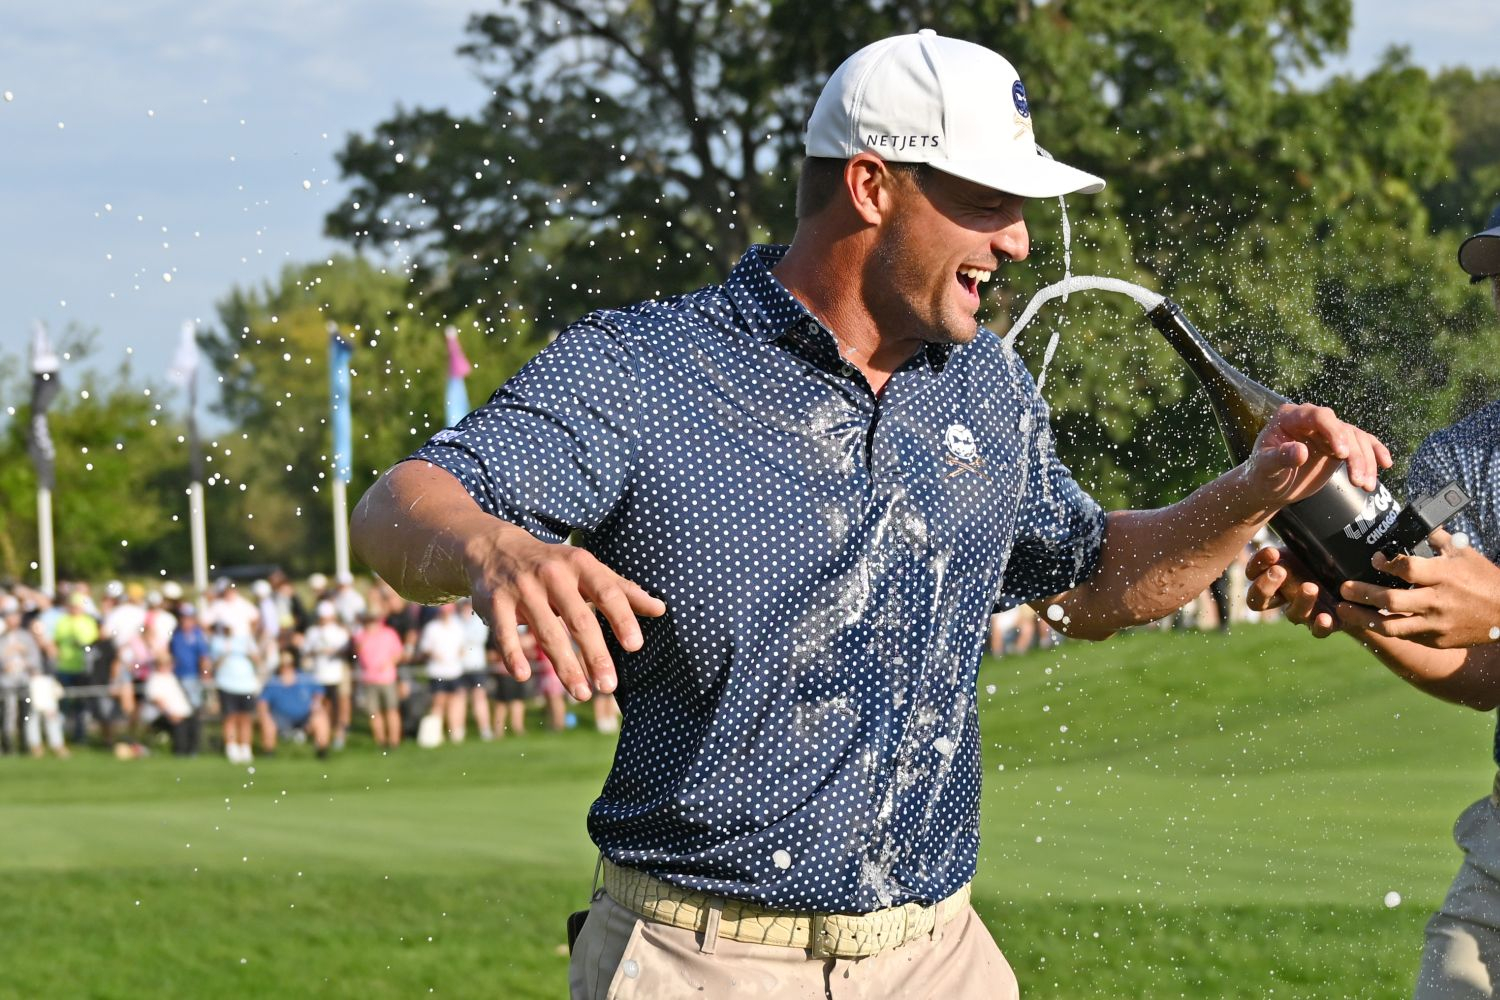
x=1454, y=601
x=1302, y=446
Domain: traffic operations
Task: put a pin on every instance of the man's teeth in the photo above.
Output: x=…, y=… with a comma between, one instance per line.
x=975, y=273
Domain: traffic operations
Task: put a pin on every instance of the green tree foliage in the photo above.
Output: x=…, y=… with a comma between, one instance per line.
x=268, y=479
x=632, y=148
x=1472, y=102
x=119, y=507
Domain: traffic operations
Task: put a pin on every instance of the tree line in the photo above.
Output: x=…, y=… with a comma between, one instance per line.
x=634, y=149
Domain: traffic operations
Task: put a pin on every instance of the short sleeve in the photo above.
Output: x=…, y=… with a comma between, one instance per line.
x=551, y=451
x=1059, y=530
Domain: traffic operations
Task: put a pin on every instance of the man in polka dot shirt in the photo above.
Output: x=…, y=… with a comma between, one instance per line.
x=797, y=498
x=1442, y=639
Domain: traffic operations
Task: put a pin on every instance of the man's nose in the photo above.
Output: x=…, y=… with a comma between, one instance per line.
x=1013, y=242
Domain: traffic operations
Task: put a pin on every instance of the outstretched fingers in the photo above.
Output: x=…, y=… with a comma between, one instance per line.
x=620, y=602
x=598, y=666
x=508, y=639
x=535, y=605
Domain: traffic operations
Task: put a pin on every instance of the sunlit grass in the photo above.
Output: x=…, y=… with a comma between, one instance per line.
x=1218, y=818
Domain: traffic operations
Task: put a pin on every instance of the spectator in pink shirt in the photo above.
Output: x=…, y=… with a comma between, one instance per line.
x=377, y=650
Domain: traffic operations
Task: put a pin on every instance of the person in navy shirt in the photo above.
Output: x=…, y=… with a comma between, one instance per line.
x=290, y=701
x=1441, y=635
x=797, y=497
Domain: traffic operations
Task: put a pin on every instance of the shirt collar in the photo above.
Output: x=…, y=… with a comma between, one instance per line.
x=771, y=312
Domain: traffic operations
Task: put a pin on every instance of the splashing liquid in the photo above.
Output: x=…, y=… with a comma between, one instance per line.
x=1062, y=202
x=1146, y=298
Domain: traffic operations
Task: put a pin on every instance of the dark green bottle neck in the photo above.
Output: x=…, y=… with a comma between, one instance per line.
x=1241, y=405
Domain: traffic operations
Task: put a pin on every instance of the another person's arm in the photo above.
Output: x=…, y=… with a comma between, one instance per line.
x=1465, y=676
x=1154, y=561
x=1454, y=602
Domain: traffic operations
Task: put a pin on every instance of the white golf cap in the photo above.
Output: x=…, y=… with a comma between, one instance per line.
x=955, y=105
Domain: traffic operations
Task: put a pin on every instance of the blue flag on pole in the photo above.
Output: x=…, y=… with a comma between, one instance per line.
x=456, y=398
x=339, y=391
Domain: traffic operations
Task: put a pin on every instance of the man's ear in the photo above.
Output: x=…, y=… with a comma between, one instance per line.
x=869, y=186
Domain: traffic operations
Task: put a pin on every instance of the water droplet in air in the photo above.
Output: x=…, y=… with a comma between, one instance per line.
x=166, y=276
x=307, y=185
x=1393, y=899
x=782, y=859
x=9, y=96
x=1460, y=540
x=1495, y=632
x=1055, y=612
x=944, y=746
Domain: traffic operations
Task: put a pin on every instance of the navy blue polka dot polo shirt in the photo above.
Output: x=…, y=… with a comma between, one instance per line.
x=1468, y=453
x=799, y=728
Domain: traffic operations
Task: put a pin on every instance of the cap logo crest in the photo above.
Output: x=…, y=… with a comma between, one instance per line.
x=1018, y=95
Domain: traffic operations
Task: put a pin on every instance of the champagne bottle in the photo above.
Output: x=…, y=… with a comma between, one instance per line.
x=1336, y=531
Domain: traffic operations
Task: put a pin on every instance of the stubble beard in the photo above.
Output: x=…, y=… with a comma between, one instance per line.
x=902, y=284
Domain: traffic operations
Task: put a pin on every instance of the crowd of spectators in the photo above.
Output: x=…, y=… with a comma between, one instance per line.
x=274, y=661
x=1219, y=608
x=124, y=667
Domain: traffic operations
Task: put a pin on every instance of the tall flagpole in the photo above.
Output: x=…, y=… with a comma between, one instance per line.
x=46, y=559
x=339, y=390
x=44, y=388
x=184, y=371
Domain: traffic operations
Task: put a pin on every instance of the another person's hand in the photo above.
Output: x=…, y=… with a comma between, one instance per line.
x=515, y=579
x=1303, y=445
x=1454, y=603
x=1278, y=581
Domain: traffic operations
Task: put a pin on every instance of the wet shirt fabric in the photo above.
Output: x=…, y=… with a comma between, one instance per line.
x=799, y=728
x=1469, y=453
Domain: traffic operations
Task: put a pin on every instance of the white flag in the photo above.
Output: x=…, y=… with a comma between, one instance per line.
x=44, y=360
x=185, y=362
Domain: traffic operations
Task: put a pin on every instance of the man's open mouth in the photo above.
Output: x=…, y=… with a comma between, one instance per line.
x=971, y=278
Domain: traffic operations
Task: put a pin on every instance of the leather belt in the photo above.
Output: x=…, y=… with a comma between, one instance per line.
x=825, y=935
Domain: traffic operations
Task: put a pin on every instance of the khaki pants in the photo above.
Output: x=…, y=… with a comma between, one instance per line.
x=620, y=955
x=1462, y=957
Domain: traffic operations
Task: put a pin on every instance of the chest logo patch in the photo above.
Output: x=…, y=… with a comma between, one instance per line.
x=963, y=453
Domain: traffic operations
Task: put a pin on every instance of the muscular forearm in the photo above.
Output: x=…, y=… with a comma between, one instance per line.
x=422, y=532
x=1155, y=561
x=1468, y=677
x=412, y=528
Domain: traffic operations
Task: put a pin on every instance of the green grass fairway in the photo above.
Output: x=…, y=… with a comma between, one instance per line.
x=1165, y=815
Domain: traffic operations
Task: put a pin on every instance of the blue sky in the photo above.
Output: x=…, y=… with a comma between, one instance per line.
x=157, y=153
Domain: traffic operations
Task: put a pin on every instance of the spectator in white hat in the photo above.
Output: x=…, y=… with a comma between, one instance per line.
x=348, y=600
x=230, y=609
x=326, y=649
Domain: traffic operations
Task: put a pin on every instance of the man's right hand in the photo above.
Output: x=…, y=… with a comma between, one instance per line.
x=1278, y=581
x=516, y=579
x=419, y=529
